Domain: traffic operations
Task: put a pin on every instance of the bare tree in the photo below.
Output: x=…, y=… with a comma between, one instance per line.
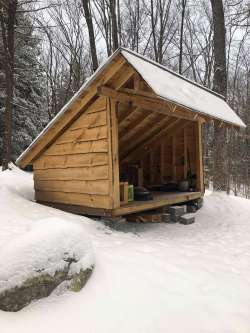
x=106, y=20
x=163, y=27
x=7, y=19
x=88, y=17
x=112, y=4
x=219, y=86
x=183, y=9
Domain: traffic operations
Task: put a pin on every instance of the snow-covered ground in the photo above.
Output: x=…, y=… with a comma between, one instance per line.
x=149, y=278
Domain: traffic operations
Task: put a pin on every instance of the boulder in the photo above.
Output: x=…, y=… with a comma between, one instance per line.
x=16, y=298
x=52, y=253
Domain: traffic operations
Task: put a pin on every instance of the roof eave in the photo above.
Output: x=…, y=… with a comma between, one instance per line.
x=20, y=160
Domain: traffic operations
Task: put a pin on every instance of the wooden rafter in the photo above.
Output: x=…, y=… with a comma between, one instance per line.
x=147, y=101
x=125, y=113
x=133, y=126
x=122, y=77
x=144, y=132
x=156, y=140
x=127, y=116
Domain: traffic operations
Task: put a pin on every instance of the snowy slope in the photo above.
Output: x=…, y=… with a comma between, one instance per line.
x=152, y=278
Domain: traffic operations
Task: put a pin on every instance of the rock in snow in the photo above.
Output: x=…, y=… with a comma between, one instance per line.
x=32, y=266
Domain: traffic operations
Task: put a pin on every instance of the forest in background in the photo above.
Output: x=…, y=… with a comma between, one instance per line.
x=49, y=48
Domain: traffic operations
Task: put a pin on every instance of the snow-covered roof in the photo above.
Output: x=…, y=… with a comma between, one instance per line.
x=176, y=88
x=166, y=84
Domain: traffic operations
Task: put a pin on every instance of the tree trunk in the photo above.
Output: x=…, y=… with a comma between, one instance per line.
x=184, y=3
x=7, y=20
x=114, y=25
x=219, y=86
x=88, y=18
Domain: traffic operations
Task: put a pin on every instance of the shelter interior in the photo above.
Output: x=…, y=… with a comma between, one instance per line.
x=157, y=151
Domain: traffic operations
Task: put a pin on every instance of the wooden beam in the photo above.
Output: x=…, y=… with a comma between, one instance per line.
x=138, y=82
x=158, y=201
x=113, y=154
x=159, y=122
x=199, y=158
x=162, y=161
x=171, y=105
x=138, y=92
x=124, y=75
x=146, y=135
x=129, y=130
x=151, y=167
x=131, y=207
x=185, y=153
x=151, y=102
x=125, y=113
x=157, y=139
x=67, y=118
x=125, y=120
x=174, y=157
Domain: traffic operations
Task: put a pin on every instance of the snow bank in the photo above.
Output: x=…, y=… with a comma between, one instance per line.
x=45, y=248
x=154, y=278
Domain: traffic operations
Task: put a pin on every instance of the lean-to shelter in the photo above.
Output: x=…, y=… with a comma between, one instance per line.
x=133, y=124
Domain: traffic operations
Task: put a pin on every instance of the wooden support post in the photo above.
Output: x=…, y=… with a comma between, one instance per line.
x=140, y=176
x=124, y=192
x=174, y=157
x=185, y=153
x=113, y=154
x=162, y=161
x=199, y=157
x=151, y=168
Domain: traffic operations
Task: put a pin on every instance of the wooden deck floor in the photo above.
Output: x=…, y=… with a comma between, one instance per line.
x=160, y=199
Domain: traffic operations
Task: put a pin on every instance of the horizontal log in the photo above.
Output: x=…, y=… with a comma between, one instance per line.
x=66, y=161
x=98, y=146
x=85, y=173
x=100, y=187
x=83, y=135
x=99, y=105
x=98, y=201
x=90, y=120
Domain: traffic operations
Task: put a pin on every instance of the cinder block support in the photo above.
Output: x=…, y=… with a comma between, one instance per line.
x=166, y=218
x=176, y=212
x=187, y=219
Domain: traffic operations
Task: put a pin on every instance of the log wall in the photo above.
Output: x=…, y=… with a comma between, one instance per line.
x=75, y=168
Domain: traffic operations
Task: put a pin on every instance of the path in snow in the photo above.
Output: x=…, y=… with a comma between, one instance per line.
x=151, y=278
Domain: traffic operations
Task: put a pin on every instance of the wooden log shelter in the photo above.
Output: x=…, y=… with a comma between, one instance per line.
x=133, y=124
